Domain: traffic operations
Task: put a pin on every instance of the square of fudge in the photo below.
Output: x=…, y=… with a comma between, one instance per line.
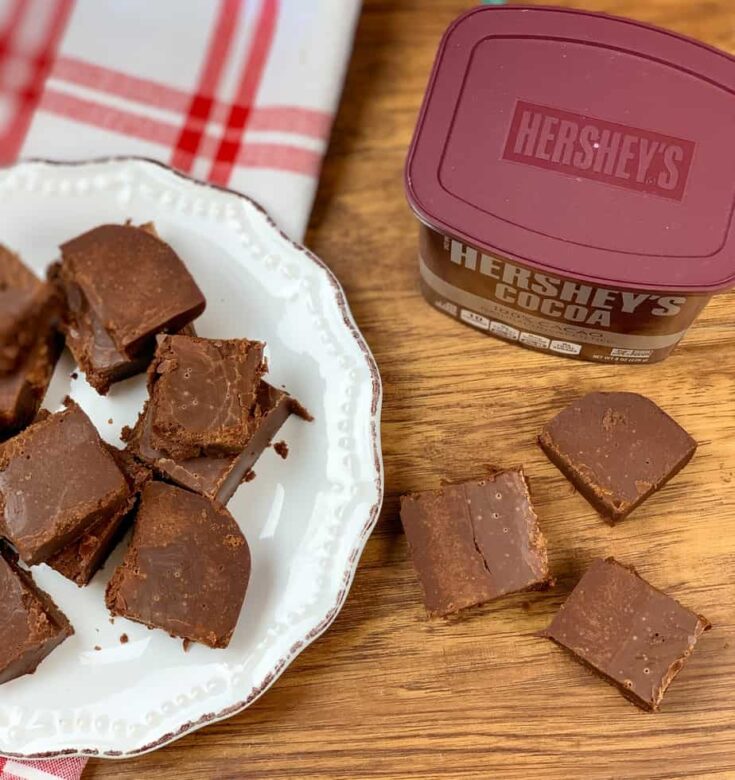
x=22, y=390
x=628, y=632
x=474, y=542
x=32, y=625
x=123, y=285
x=203, y=395
x=25, y=302
x=57, y=479
x=617, y=449
x=218, y=478
x=80, y=560
x=186, y=570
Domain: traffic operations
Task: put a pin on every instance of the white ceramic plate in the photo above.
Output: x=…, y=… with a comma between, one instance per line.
x=306, y=518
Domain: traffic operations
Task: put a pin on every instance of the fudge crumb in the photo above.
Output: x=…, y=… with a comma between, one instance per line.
x=112, y=620
x=187, y=644
x=109, y=421
x=249, y=477
x=97, y=647
x=124, y=639
x=74, y=375
x=281, y=448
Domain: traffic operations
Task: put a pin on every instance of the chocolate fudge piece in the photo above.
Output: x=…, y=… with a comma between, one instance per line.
x=186, y=570
x=32, y=625
x=617, y=449
x=57, y=479
x=18, y=310
x=23, y=300
x=217, y=478
x=22, y=391
x=81, y=560
x=474, y=542
x=123, y=285
x=203, y=395
x=627, y=631
x=30, y=344
x=88, y=341
x=14, y=273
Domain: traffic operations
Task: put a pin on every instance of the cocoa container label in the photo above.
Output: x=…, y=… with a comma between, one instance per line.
x=552, y=313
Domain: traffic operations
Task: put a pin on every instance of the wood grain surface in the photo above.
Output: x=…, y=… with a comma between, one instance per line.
x=387, y=693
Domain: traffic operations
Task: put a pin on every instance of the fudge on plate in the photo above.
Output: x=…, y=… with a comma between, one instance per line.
x=80, y=560
x=123, y=286
x=24, y=304
x=186, y=570
x=203, y=395
x=30, y=343
x=57, y=480
x=474, y=542
x=218, y=478
x=32, y=625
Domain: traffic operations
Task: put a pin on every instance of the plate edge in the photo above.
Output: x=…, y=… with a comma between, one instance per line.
x=373, y=514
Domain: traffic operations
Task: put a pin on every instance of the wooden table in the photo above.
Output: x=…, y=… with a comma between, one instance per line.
x=388, y=694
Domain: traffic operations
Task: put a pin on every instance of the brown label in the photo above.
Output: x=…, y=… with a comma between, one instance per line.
x=609, y=152
x=549, y=312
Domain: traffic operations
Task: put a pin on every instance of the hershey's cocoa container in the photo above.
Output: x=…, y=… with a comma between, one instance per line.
x=574, y=175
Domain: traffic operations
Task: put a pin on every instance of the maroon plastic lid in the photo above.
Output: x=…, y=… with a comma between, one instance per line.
x=588, y=145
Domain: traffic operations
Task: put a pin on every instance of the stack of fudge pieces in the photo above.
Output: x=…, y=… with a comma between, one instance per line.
x=478, y=541
x=123, y=302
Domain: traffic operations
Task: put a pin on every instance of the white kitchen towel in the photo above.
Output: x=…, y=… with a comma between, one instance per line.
x=240, y=93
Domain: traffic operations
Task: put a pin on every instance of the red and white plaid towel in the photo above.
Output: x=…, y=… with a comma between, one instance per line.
x=58, y=769
x=240, y=93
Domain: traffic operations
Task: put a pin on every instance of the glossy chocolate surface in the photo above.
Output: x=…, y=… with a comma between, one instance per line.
x=203, y=395
x=22, y=390
x=22, y=297
x=81, y=560
x=123, y=285
x=32, y=625
x=46, y=508
x=29, y=344
x=218, y=477
x=186, y=570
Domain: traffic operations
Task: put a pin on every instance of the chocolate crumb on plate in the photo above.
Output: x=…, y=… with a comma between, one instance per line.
x=281, y=448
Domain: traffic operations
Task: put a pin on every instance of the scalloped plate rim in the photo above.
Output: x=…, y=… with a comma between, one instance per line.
x=372, y=518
